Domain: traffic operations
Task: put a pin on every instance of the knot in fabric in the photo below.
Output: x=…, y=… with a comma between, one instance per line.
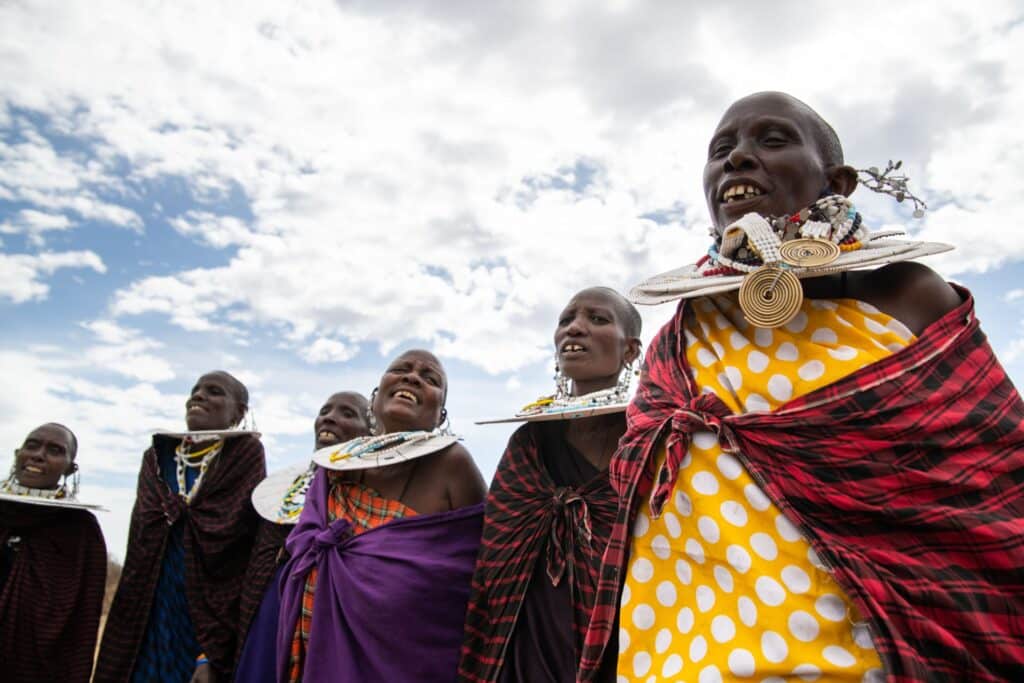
x=336, y=533
x=570, y=524
x=706, y=412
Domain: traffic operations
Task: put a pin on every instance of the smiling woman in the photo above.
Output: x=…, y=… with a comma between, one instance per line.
x=280, y=499
x=798, y=487
x=52, y=564
x=175, y=613
x=385, y=550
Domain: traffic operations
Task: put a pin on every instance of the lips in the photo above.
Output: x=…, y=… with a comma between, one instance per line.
x=327, y=437
x=572, y=347
x=32, y=469
x=406, y=395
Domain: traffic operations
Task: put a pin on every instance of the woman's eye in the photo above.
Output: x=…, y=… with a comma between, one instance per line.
x=599, y=319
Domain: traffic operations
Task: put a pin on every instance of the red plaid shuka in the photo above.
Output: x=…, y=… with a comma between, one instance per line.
x=523, y=508
x=365, y=509
x=907, y=477
x=220, y=528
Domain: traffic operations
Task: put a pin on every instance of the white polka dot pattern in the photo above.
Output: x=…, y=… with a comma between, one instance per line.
x=723, y=586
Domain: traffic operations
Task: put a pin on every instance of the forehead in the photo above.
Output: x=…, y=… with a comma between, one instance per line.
x=768, y=106
x=346, y=398
x=596, y=298
x=219, y=379
x=49, y=433
x=423, y=357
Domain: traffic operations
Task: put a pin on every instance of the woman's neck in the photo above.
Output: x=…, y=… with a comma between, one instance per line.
x=596, y=438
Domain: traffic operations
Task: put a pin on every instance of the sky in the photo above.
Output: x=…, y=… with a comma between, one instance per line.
x=296, y=192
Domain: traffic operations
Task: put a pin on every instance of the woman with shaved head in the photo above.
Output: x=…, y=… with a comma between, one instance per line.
x=176, y=611
x=279, y=500
x=822, y=473
x=551, y=507
x=53, y=564
x=382, y=555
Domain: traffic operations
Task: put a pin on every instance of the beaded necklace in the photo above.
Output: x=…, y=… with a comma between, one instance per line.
x=294, y=499
x=200, y=459
x=362, y=446
x=12, y=487
x=809, y=238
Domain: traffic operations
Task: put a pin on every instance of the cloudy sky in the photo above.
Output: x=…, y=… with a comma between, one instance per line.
x=296, y=191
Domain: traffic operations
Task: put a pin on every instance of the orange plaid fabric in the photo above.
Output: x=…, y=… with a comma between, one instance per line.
x=364, y=509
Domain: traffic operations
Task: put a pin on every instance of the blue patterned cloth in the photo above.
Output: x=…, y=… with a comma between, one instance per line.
x=169, y=646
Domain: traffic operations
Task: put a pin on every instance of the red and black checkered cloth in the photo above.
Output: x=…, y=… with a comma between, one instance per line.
x=524, y=507
x=220, y=529
x=51, y=599
x=907, y=477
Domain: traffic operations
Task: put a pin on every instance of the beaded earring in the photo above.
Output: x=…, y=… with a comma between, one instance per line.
x=625, y=379
x=371, y=420
x=76, y=480
x=563, y=387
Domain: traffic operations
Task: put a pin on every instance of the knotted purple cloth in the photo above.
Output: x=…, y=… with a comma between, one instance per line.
x=389, y=604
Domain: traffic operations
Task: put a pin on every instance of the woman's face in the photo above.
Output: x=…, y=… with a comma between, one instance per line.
x=44, y=458
x=764, y=158
x=411, y=393
x=342, y=418
x=213, y=404
x=590, y=344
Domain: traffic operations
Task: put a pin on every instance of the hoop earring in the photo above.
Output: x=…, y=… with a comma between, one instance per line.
x=445, y=426
x=371, y=419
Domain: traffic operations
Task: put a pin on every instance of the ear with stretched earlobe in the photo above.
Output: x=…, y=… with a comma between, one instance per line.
x=72, y=468
x=842, y=180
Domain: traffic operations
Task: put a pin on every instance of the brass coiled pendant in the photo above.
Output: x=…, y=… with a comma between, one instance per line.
x=808, y=252
x=770, y=296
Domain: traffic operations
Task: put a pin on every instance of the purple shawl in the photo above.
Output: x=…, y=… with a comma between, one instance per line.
x=389, y=604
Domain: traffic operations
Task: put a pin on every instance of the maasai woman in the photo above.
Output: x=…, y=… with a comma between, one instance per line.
x=279, y=499
x=175, y=613
x=382, y=556
x=833, y=497
x=53, y=564
x=550, y=507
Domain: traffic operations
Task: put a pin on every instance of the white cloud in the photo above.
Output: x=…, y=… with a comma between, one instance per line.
x=328, y=351
x=20, y=274
x=213, y=230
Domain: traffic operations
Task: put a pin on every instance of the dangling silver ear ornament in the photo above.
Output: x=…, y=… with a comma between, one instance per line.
x=891, y=183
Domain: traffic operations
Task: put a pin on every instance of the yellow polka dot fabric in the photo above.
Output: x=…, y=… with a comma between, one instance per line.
x=723, y=586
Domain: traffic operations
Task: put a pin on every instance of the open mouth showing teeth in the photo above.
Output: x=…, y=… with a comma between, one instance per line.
x=33, y=469
x=738, y=193
x=406, y=395
x=326, y=436
x=572, y=348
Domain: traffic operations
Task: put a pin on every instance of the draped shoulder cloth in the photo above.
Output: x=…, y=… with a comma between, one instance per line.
x=907, y=478
x=51, y=599
x=390, y=602
x=220, y=529
x=525, y=508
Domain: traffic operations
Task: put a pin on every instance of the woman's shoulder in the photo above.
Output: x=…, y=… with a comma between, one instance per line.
x=909, y=291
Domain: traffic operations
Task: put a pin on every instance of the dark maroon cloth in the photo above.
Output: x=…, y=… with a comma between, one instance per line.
x=52, y=594
x=267, y=556
x=907, y=477
x=537, y=529
x=220, y=528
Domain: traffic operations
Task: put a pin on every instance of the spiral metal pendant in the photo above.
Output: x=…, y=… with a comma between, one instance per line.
x=808, y=252
x=770, y=296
